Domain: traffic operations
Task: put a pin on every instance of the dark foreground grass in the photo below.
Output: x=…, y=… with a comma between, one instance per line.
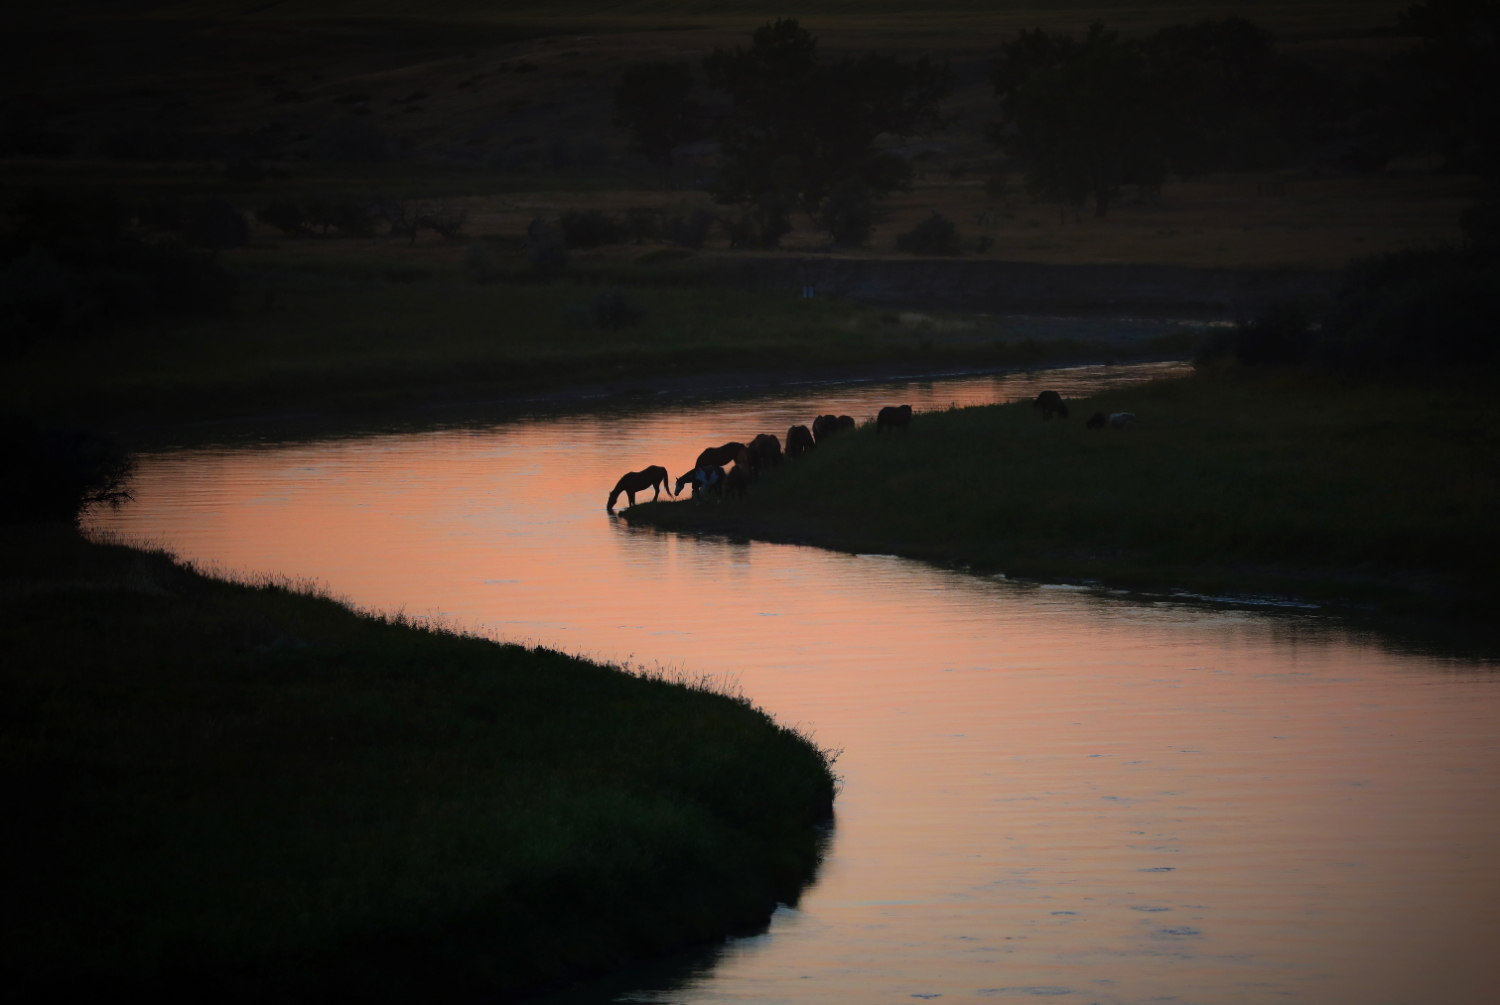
x=1236, y=482
x=252, y=793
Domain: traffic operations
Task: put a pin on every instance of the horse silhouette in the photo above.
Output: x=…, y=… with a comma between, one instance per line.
x=737, y=481
x=655, y=478
x=1050, y=403
x=718, y=456
x=765, y=452
x=896, y=417
x=824, y=426
x=706, y=479
x=799, y=440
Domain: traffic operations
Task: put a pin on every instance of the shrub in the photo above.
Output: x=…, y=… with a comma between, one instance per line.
x=935, y=235
x=848, y=215
x=38, y=297
x=353, y=140
x=480, y=263
x=589, y=154
x=169, y=215
x=215, y=224
x=243, y=171
x=611, y=310
x=763, y=225
x=1416, y=306
x=559, y=153
x=688, y=230
x=285, y=216
x=347, y=216
x=590, y=229
x=57, y=475
x=641, y=224
x=1283, y=335
x=546, y=251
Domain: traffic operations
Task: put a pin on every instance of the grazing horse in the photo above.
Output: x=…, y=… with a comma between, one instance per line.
x=737, y=481
x=655, y=478
x=1050, y=403
x=765, y=452
x=716, y=456
x=1120, y=420
x=704, y=480
x=799, y=441
x=894, y=417
x=1096, y=421
x=846, y=423
x=824, y=426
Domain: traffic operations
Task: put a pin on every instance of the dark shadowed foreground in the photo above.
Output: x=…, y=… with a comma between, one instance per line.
x=1330, y=490
x=252, y=793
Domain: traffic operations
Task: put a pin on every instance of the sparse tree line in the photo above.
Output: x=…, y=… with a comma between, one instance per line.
x=1082, y=117
x=351, y=217
x=1434, y=306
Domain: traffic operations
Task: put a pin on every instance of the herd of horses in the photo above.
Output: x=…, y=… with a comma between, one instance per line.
x=763, y=453
x=747, y=460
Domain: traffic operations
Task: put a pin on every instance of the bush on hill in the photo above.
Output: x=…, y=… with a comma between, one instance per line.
x=55, y=475
x=936, y=235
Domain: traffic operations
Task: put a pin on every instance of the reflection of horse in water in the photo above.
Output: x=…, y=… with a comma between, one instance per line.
x=655, y=477
x=705, y=479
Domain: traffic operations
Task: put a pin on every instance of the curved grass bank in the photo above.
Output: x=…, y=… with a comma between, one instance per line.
x=252, y=793
x=1336, y=492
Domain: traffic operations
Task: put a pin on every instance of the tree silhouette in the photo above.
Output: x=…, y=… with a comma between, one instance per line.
x=1085, y=117
x=800, y=127
x=652, y=100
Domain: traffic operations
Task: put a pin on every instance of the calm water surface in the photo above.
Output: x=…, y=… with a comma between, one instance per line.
x=1048, y=792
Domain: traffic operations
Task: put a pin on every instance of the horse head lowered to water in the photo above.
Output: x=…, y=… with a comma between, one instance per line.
x=655, y=477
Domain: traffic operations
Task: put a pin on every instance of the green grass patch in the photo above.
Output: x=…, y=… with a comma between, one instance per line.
x=254, y=792
x=1279, y=483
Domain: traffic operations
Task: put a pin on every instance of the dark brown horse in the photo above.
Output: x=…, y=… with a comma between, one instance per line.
x=655, y=478
x=765, y=452
x=893, y=417
x=737, y=481
x=846, y=424
x=799, y=440
x=1050, y=403
x=824, y=426
x=718, y=456
x=704, y=480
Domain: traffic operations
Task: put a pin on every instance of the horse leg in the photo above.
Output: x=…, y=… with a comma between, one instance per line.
x=630, y=493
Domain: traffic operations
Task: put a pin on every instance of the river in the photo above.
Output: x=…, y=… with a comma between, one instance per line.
x=1048, y=792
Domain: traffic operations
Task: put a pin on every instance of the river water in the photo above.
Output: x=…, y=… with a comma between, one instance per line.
x=1048, y=792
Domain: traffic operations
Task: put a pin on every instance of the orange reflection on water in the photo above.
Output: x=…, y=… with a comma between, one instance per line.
x=1048, y=792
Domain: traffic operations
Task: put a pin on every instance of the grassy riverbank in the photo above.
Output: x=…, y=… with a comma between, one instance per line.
x=1279, y=483
x=324, y=343
x=253, y=793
